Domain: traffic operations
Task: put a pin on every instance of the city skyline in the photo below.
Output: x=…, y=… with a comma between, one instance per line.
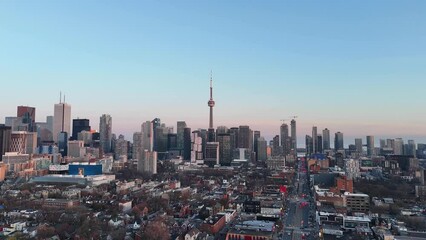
x=360, y=75
x=300, y=136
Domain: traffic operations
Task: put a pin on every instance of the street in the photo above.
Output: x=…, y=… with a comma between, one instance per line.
x=299, y=204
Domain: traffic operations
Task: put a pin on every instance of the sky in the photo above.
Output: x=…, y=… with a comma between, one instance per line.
x=353, y=66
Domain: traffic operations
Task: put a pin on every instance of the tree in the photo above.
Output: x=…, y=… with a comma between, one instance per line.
x=45, y=231
x=118, y=234
x=204, y=213
x=156, y=230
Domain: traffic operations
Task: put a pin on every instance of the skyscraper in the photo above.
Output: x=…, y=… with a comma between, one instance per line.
x=187, y=143
x=398, y=148
x=147, y=136
x=370, y=145
x=156, y=123
x=27, y=114
x=5, y=134
x=137, y=145
x=79, y=125
x=293, y=135
x=63, y=143
x=61, y=120
x=197, y=154
x=256, y=136
x=276, y=149
x=314, y=139
x=411, y=148
x=225, y=152
x=148, y=162
x=105, y=133
x=319, y=144
x=233, y=132
x=211, y=103
x=338, y=141
x=245, y=137
x=120, y=148
x=326, y=139
x=261, y=149
x=181, y=125
x=358, y=145
x=285, y=139
x=309, y=145
x=18, y=142
x=172, y=142
x=212, y=154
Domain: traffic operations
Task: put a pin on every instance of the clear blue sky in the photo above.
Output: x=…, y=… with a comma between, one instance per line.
x=353, y=66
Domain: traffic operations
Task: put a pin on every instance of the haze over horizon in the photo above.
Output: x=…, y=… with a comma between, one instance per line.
x=355, y=67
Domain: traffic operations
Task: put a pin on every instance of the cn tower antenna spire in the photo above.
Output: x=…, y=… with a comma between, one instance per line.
x=211, y=104
x=211, y=85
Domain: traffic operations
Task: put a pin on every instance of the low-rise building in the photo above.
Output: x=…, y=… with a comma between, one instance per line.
x=58, y=203
x=351, y=222
x=213, y=224
x=357, y=202
x=262, y=230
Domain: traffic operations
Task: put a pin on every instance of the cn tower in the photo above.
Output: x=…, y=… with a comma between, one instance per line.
x=211, y=103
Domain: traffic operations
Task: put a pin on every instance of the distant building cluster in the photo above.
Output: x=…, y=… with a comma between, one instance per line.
x=212, y=183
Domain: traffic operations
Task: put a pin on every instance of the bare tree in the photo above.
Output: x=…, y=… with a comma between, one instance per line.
x=156, y=230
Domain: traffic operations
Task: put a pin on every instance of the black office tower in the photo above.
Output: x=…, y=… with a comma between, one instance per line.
x=187, y=144
x=79, y=125
x=5, y=133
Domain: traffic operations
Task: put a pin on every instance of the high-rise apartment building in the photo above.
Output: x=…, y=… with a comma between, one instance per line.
x=147, y=136
x=411, y=148
x=18, y=142
x=309, y=145
x=370, y=145
x=105, y=133
x=121, y=148
x=319, y=144
x=338, y=141
x=314, y=139
x=212, y=154
x=398, y=146
x=285, y=139
x=181, y=125
x=156, y=124
x=148, y=162
x=225, y=151
x=63, y=143
x=197, y=154
x=172, y=141
x=262, y=149
x=326, y=139
x=137, y=145
x=276, y=149
x=233, y=132
x=32, y=143
x=293, y=135
x=358, y=145
x=256, y=136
